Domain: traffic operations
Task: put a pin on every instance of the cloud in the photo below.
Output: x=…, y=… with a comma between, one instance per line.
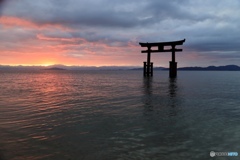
x=85, y=13
x=108, y=27
x=1, y=5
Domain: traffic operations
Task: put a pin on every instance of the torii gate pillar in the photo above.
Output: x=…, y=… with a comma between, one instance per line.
x=173, y=65
x=148, y=66
x=172, y=69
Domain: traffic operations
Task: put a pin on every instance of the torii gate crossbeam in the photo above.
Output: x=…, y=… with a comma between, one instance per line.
x=148, y=66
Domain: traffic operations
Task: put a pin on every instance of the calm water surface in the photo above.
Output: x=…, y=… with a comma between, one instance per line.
x=106, y=115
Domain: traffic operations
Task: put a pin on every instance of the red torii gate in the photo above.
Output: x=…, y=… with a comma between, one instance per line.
x=148, y=66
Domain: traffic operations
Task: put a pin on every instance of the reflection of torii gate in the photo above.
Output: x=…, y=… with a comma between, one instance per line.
x=148, y=66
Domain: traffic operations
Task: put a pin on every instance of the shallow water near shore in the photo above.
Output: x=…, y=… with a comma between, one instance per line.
x=88, y=115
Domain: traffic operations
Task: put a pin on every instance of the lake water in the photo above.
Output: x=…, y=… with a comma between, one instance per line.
x=118, y=115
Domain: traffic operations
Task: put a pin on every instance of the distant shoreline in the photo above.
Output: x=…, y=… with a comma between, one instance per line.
x=117, y=68
x=209, y=68
x=54, y=68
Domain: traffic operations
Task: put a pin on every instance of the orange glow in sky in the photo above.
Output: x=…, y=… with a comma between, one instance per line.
x=108, y=33
x=33, y=47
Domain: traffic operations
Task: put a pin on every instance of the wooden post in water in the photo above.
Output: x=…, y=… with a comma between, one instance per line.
x=144, y=68
x=151, y=69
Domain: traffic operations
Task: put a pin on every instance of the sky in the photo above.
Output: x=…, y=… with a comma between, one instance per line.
x=108, y=32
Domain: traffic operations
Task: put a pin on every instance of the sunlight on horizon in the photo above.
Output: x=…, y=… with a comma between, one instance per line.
x=47, y=64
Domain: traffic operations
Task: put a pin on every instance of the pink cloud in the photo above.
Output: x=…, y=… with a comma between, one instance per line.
x=9, y=21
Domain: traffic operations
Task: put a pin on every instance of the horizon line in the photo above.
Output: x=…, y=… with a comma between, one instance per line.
x=63, y=65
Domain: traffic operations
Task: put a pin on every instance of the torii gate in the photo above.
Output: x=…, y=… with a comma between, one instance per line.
x=148, y=66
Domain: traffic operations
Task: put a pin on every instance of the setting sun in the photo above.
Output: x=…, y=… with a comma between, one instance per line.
x=47, y=64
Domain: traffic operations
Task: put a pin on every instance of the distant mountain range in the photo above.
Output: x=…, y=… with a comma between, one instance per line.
x=212, y=68
x=54, y=68
x=209, y=68
x=63, y=67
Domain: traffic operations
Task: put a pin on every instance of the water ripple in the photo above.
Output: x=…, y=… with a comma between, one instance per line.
x=117, y=115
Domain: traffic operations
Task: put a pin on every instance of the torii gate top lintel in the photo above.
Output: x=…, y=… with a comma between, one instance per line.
x=162, y=43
